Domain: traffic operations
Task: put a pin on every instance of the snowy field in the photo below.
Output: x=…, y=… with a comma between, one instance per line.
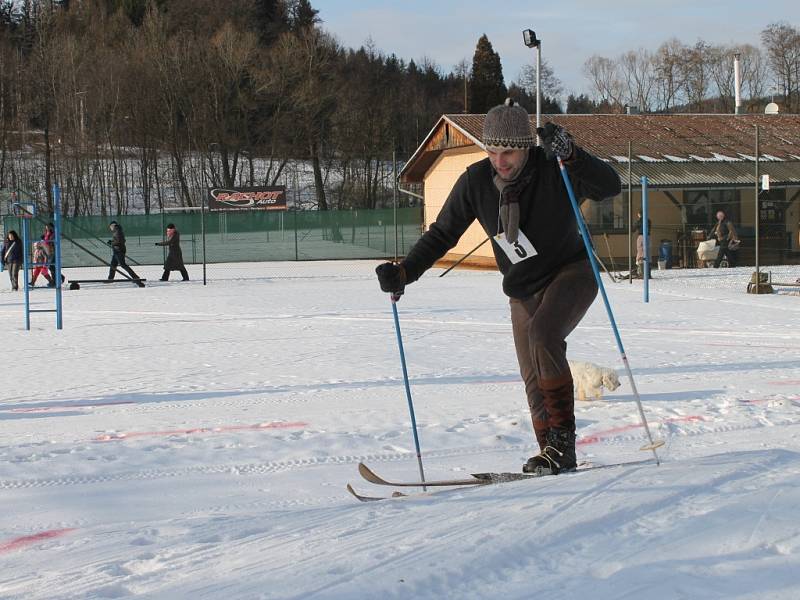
x=182, y=441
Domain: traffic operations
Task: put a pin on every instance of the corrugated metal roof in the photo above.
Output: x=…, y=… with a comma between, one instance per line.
x=672, y=150
x=708, y=173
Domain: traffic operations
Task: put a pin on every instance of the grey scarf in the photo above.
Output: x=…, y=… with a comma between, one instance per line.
x=509, y=201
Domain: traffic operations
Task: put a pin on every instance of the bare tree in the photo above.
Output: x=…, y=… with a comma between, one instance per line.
x=304, y=61
x=782, y=44
x=603, y=74
x=721, y=72
x=174, y=60
x=551, y=85
x=226, y=99
x=637, y=71
x=695, y=76
x=8, y=82
x=43, y=86
x=754, y=72
x=667, y=61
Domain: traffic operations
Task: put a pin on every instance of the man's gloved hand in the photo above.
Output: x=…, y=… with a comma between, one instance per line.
x=392, y=278
x=556, y=141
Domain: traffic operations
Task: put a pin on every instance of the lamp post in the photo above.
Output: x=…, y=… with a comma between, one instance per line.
x=531, y=41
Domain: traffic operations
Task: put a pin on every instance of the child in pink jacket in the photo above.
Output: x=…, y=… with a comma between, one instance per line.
x=40, y=262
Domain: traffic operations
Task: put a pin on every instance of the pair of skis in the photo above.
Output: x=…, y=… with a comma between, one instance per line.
x=474, y=480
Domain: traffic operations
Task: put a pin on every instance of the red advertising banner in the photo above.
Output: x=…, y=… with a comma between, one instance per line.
x=248, y=198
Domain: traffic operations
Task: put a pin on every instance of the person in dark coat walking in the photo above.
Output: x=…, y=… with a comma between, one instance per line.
x=12, y=257
x=174, y=261
x=519, y=198
x=117, y=243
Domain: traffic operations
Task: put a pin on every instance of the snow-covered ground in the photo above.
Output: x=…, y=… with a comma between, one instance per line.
x=182, y=441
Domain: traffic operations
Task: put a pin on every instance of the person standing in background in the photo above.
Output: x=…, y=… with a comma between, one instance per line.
x=725, y=234
x=48, y=237
x=12, y=257
x=640, y=252
x=174, y=260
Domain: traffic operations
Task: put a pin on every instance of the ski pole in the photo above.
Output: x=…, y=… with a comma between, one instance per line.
x=587, y=242
x=460, y=260
x=408, y=388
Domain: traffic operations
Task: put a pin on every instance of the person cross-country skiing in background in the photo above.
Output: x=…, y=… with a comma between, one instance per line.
x=118, y=249
x=518, y=196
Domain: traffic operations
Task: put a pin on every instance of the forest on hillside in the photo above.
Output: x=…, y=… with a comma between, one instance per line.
x=132, y=105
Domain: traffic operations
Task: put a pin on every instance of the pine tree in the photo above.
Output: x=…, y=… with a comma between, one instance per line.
x=551, y=106
x=580, y=105
x=270, y=20
x=304, y=15
x=487, y=88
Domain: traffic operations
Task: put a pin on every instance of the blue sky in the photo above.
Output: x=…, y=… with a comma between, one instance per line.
x=447, y=30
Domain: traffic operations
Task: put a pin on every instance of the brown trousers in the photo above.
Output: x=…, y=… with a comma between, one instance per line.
x=541, y=325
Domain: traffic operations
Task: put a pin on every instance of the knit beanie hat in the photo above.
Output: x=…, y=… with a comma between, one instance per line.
x=507, y=126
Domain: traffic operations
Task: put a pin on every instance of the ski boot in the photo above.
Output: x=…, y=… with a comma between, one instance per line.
x=557, y=457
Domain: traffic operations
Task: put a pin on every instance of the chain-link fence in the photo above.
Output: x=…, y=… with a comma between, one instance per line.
x=239, y=236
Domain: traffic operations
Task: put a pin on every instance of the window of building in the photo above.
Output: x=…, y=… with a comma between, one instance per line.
x=702, y=207
x=607, y=216
x=773, y=205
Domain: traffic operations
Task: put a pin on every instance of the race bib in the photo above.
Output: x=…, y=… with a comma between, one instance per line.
x=518, y=251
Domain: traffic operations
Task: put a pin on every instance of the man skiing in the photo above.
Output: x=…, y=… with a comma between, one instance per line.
x=519, y=198
x=118, y=249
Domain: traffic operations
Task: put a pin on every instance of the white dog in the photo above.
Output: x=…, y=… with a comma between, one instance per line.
x=590, y=379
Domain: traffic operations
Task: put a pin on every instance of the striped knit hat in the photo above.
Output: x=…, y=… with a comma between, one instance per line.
x=507, y=126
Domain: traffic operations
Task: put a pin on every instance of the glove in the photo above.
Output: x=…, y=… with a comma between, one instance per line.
x=557, y=143
x=392, y=278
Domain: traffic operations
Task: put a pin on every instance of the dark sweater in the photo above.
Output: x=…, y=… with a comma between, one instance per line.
x=546, y=218
x=13, y=250
x=118, y=239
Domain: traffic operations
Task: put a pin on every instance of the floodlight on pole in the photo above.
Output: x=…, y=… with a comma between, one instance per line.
x=531, y=41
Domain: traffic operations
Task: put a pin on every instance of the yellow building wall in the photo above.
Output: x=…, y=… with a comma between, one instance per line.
x=439, y=180
x=665, y=218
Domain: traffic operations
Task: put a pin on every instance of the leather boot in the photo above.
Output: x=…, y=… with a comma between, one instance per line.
x=557, y=457
x=558, y=395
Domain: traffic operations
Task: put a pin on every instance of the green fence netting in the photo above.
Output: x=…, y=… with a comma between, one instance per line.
x=239, y=236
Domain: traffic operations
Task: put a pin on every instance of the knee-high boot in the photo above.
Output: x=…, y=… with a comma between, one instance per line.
x=558, y=395
x=558, y=450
